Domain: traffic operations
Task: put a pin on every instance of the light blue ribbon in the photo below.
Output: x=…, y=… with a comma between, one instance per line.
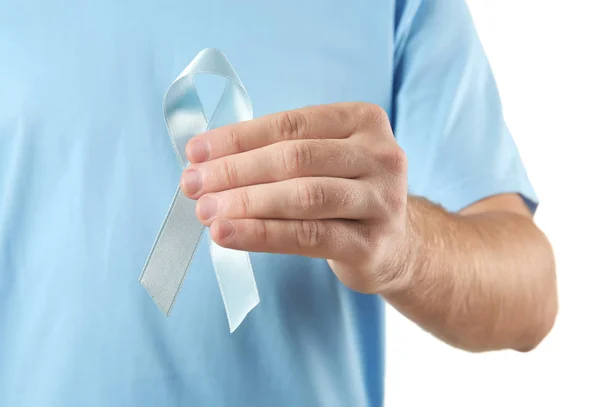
x=181, y=231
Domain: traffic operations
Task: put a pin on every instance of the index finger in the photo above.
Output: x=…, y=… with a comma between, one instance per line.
x=334, y=121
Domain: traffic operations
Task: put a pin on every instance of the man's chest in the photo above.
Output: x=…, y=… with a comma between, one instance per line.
x=82, y=83
x=88, y=59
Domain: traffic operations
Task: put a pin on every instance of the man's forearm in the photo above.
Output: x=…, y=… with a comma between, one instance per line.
x=478, y=282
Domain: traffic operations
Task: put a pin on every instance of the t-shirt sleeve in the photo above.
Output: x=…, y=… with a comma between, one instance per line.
x=447, y=114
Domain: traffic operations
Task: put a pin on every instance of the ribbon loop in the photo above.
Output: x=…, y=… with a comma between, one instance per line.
x=175, y=245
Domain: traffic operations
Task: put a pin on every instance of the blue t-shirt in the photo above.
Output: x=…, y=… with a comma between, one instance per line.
x=87, y=173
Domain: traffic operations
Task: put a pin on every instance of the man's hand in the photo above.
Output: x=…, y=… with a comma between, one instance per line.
x=326, y=181
x=331, y=182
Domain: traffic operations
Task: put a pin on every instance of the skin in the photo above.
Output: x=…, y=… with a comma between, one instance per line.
x=330, y=182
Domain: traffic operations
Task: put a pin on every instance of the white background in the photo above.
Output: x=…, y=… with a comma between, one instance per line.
x=546, y=59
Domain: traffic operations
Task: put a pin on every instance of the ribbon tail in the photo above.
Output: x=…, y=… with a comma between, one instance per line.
x=236, y=282
x=172, y=253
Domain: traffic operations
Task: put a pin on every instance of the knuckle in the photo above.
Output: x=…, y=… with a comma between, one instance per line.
x=396, y=200
x=233, y=141
x=296, y=157
x=394, y=159
x=351, y=198
x=393, y=198
x=344, y=154
x=372, y=114
x=261, y=233
x=290, y=125
x=311, y=195
x=244, y=203
x=354, y=156
x=343, y=116
x=229, y=172
x=309, y=233
x=369, y=239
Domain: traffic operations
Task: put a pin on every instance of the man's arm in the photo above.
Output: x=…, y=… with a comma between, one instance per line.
x=480, y=280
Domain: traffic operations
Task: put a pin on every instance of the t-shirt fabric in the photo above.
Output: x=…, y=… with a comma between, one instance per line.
x=87, y=173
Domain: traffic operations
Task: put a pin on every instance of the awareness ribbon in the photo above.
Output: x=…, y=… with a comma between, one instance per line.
x=181, y=231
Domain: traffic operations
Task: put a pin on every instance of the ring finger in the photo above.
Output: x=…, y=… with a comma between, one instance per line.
x=299, y=198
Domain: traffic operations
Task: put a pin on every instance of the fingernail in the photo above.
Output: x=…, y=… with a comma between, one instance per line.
x=191, y=182
x=197, y=151
x=207, y=207
x=225, y=229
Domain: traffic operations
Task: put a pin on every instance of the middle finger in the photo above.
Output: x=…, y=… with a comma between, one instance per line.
x=277, y=162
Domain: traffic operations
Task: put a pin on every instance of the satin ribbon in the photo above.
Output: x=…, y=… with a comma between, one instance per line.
x=173, y=250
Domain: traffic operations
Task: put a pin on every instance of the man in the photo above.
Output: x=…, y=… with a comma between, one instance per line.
x=399, y=182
